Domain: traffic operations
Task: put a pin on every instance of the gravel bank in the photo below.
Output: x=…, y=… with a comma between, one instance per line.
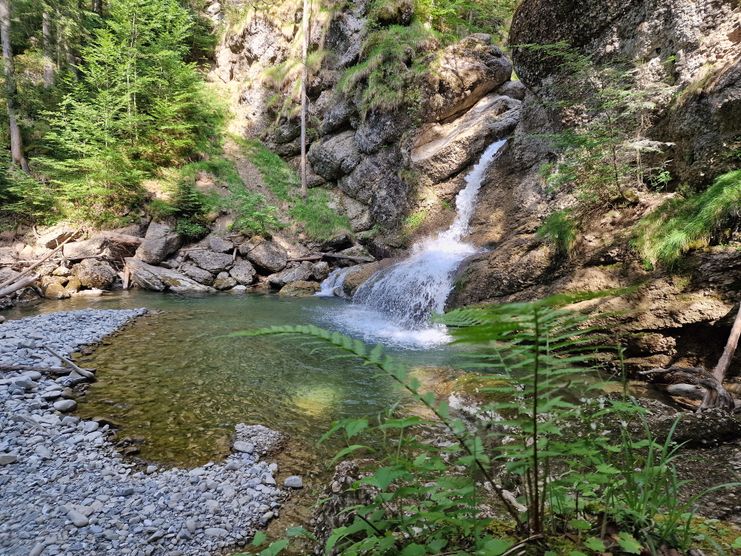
x=64, y=489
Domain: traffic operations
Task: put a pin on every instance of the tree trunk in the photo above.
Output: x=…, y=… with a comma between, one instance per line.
x=16, y=141
x=724, y=362
x=48, y=50
x=304, y=99
x=97, y=7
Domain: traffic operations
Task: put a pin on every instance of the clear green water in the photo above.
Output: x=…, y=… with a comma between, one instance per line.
x=173, y=380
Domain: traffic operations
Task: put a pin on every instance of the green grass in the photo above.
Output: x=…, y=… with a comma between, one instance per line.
x=560, y=230
x=683, y=224
x=316, y=217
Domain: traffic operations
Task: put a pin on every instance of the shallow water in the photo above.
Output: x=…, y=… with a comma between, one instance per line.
x=176, y=381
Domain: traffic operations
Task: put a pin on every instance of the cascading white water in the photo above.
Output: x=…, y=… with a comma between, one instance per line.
x=396, y=303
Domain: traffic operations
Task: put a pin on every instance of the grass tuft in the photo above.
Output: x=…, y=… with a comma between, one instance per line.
x=687, y=223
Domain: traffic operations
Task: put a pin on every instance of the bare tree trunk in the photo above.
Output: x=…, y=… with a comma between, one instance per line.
x=97, y=7
x=48, y=49
x=725, y=360
x=304, y=99
x=16, y=141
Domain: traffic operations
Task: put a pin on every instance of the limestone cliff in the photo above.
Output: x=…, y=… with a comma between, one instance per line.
x=692, y=50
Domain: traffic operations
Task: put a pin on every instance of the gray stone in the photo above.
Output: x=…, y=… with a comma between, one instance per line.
x=94, y=273
x=302, y=272
x=335, y=156
x=7, y=459
x=198, y=274
x=243, y=272
x=219, y=244
x=211, y=261
x=216, y=532
x=65, y=405
x=77, y=518
x=156, y=278
x=264, y=254
x=160, y=242
x=224, y=281
x=245, y=447
x=294, y=481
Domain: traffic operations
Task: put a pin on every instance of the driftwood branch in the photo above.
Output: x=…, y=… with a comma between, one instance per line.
x=724, y=363
x=37, y=263
x=82, y=372
x=59, y=371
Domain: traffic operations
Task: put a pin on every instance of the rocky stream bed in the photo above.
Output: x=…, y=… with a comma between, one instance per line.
x=65, y=489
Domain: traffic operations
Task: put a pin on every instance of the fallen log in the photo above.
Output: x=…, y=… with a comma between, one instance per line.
x=20, y=284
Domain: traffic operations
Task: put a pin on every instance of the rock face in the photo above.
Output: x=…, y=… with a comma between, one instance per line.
x=336, y=156
x=444, y=150
x=211, y=261
x=690, y=44
x=159, y=243
x=464, y=73
x=156, y=278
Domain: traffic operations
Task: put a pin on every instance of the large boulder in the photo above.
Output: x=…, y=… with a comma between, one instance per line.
x=243, y=272
x=95, y=273
x=161, y=279
x=108, y=245
x=224, y=281
x=198, y=274
x=335, y=156
x=444, y=150
x=160, y=242
x=264, y=254
x=375, y=182
x=464, y=73
x=303, y=272
x=211, y=261
x=219, y=244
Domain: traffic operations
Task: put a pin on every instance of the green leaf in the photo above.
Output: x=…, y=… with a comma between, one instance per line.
x=593, y=543
x=347, y=451
x=629, y=544
x=259, y=538
x=580, y=524
x=353, y=427
x=413, y=550
x=736, y=543
x=495, y=547
x=275, y=548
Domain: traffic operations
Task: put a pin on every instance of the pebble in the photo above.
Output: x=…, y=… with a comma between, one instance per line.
x=66, y=491
x=65, y=405
x=294, y=481
x=77, y=518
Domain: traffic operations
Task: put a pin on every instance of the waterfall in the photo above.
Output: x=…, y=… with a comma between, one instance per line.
x=396, y=303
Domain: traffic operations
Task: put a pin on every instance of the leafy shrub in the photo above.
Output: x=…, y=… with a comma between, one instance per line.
x=533, y=470
x=686, y=223
x=254, y=214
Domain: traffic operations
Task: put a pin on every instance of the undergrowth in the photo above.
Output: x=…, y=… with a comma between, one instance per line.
x=313, y=213
x=547, y=467
x=686, y=223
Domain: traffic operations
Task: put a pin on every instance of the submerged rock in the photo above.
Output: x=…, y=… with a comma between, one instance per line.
x=300, y=288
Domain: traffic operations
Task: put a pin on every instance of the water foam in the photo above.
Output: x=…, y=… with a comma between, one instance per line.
x=396, y=303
